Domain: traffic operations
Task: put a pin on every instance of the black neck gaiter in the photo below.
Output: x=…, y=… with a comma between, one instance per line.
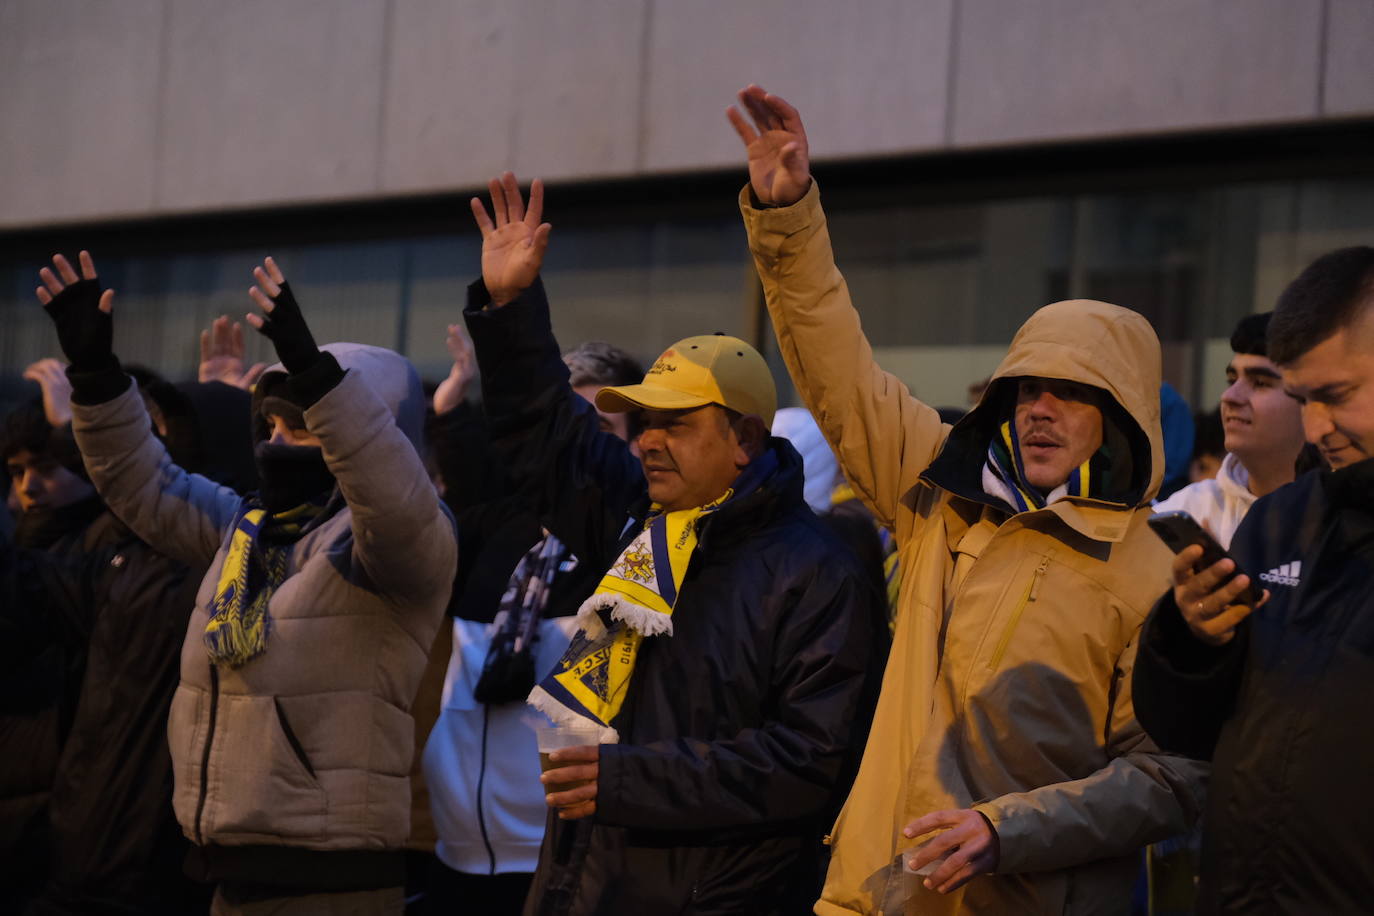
x=41, y=528
x=291, y=475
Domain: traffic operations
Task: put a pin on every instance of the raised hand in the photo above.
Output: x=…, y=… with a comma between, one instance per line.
x=81, y=312
x=779, y=161
x=513, y=244
x=454, y=389
x=221, y=355
x=281, y=321
x=51, y=376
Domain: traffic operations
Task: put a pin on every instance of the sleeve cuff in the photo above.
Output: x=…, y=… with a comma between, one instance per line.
x=96, y=386
x=314, y=383
x=1168, y=638
x=780, y=221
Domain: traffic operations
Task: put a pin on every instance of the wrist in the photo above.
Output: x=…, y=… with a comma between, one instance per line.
x=313, y=383
x=98, y=385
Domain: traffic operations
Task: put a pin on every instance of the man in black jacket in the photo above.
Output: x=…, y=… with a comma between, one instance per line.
x=1277, y=695
x=753, y=663
x=114, y=621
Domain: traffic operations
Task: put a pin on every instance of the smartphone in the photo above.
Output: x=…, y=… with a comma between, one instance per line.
x=1179, y=530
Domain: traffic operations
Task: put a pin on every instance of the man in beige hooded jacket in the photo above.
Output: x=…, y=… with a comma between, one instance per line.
x=1004, y=752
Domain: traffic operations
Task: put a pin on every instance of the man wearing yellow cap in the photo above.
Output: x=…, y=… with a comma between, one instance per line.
x=727, y=658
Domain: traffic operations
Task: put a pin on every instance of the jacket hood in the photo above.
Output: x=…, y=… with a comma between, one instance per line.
x=1093, y=343
x=387, y=373
x=796, y=425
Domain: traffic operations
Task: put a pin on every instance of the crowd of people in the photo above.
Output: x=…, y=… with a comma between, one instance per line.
x=290, y=639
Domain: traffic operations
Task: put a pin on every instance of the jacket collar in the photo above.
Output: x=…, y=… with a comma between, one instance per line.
x=40, y=529
x=776, y=494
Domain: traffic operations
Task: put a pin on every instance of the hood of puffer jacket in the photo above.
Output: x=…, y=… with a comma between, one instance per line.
x=1094, y=343
x=389, y=374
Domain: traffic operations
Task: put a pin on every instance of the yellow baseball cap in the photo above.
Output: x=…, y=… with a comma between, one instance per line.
x=710, y=369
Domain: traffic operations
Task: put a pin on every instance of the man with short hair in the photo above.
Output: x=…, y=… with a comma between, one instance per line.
x=1005, y=727
x=1277, y=695
x=1263, y=437
x=725, y=654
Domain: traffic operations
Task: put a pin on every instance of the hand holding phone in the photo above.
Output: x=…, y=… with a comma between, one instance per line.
x=1212, y=592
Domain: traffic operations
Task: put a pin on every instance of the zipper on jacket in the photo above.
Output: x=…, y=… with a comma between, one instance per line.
x=205, y=757
x=481, y=779
x=1026, y=599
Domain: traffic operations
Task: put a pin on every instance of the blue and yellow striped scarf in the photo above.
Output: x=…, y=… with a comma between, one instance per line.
x=635, y=599
x=254, y=566
x=1092, y=478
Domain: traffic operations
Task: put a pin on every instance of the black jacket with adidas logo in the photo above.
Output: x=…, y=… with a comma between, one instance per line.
x=1283, y=711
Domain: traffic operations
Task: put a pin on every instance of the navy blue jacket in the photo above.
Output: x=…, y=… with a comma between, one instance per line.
x=741, y=731
x=1283, y=710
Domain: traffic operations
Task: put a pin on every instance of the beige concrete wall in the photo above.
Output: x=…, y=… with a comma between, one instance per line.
x=151, y=107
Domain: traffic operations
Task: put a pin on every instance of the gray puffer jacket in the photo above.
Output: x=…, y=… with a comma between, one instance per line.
x=309, y=744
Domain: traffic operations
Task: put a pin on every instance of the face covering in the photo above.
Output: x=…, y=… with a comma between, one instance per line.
x=41, y=528
x=291, y=474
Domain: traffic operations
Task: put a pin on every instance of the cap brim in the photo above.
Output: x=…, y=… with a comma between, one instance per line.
x=646, y=397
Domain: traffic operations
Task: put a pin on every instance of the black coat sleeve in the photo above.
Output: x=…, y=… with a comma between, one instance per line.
x=582, y=482
x=792, y=767
x=1185, y=690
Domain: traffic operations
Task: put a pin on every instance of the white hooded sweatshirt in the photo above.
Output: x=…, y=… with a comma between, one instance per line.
x=1218, y=504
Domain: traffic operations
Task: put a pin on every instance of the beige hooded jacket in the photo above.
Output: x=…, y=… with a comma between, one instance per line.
x=1008, y=685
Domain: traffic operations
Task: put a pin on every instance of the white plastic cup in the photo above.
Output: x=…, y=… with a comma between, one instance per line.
x=927, y=869
x=556, y=737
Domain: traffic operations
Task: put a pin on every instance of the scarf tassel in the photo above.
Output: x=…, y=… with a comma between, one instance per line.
x=646, y=621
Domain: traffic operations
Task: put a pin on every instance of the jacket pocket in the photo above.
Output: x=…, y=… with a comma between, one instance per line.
x=262, y=784
x=1029, y=595
x=291, y=738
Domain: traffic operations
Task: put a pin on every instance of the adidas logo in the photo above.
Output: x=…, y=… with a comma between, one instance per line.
x=1287, y=574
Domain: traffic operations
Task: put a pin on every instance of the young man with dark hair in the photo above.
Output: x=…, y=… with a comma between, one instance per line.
x=1276, y=693
x=725, y=655
x=44, y=468
x=1264, y=439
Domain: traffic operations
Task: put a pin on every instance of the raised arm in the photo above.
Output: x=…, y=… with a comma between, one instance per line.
x=182, y=515
x=402, y=536
x=884, y=437
x=582, y=482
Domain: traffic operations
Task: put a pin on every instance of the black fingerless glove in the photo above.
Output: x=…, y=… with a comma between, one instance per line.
x=286, y=328
x=86, y=335
x=84, y=331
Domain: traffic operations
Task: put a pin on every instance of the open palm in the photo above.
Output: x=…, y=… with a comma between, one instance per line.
x=779, y=161
x=513, y=238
